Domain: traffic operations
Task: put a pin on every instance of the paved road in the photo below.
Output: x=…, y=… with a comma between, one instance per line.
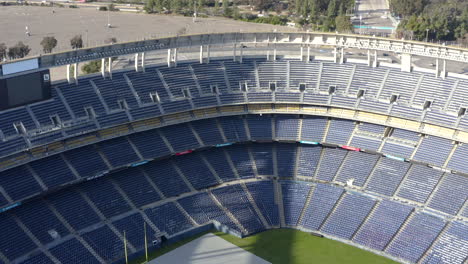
x=374, y=20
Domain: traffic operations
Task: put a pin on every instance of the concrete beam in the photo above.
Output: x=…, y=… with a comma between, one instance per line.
x=136, y=62
x=335, y=55
x=376, y=62
x=444, y=69
x=143, y=61
x=68, y=73
x=201, y=54
x=406, y=62
x=103, y=68
x=174, y=59
x=302, y=53
x=169, y=58
x=110, y=67
x=437, y=68
x=342, y=56
x=207, y=53
x=75, y=72
x=308, y=53
x=368, y=58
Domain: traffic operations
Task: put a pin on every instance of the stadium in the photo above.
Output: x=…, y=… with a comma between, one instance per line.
x=240, y=132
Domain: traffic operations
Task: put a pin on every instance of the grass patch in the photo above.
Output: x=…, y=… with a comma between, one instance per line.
x=280, y=246
x=161, y=251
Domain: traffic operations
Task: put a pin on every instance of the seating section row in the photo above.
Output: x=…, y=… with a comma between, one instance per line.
x=97, y=103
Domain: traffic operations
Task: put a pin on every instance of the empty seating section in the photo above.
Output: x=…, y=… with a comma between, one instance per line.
x=330, y=163
x=53, y=171
x=434, y=89
x=339, y=131
x=203, y=209
x=219, y=163
x=373, y=128
x=460, y=95
x=382, y=225
x=405, y=134
x=209, y=74
x=287, y=127
x=416, y=237
x=208, y=131
x=272, y=72
x=348, y=215
x=451, y=194
x=118, y=151
x=12, y=145
x=136, y=186
x=133, y=226
x=150, y=144
x=357, y=166
x=41, y=221
x=106, y=197
x=309, y=157
x=44, y=110
x=180, y=137
x=241, y=160
x=397, y=149
x=179, y=78
x=294, y=198
x=237, y=72
x=86, y=161
x=81, y=96
x=451, y=247
x=39, y=258
x=313, y=128
x=419, y=183
x=196, y=171
x=263, y=194
x=233, y=128
x=286, y=159
x=166, y=178
x=263, y=156
x=72, y=251
x=234, y=199
x=434, y=150
x=105, y=243
x=322, y=202
x=306, y=73
x=148, y=82
x=400, y=83
x=19, y=183
x=115, y=90
x=406, y=111
x=387, y=176
x=457, y=161
x=17, y=242
x=168, y=218
x=260, y=127
x=364, y=142
x=337, y=75
x=15, y=116
x=368, y=79
x=74, y=209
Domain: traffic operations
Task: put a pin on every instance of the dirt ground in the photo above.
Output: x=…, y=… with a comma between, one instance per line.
x=91, y=24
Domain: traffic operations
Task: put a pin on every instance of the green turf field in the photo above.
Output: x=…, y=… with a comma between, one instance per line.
x=290, y=246
x=297, y=247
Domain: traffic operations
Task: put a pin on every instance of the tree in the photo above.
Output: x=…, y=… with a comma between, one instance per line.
x=92, y=67
x=20, y=50
x=226, y=9
x=3, y=51
x=48, y=44
x=76, y=42
x=331, y=11
x=343, y=24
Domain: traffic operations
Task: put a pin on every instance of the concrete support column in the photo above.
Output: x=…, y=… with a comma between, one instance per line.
x=274, y=53
x=110, y=67
x=234, y=51
x=376, y=62
x=103, y=67
x=342, y=56
x=335, y=55
x=302, y=53
x=207, y=53
x=444, y=69
x=201, y=54
x=437, y=68
x=169, y=58
x=241, y=52
x=136, y=62
x=268, y=55
x=406, y=62
x=75, y=72
x=368, y=58
x=143, y=61
x=308, y=53
x=175, y=56
x=68, y=73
